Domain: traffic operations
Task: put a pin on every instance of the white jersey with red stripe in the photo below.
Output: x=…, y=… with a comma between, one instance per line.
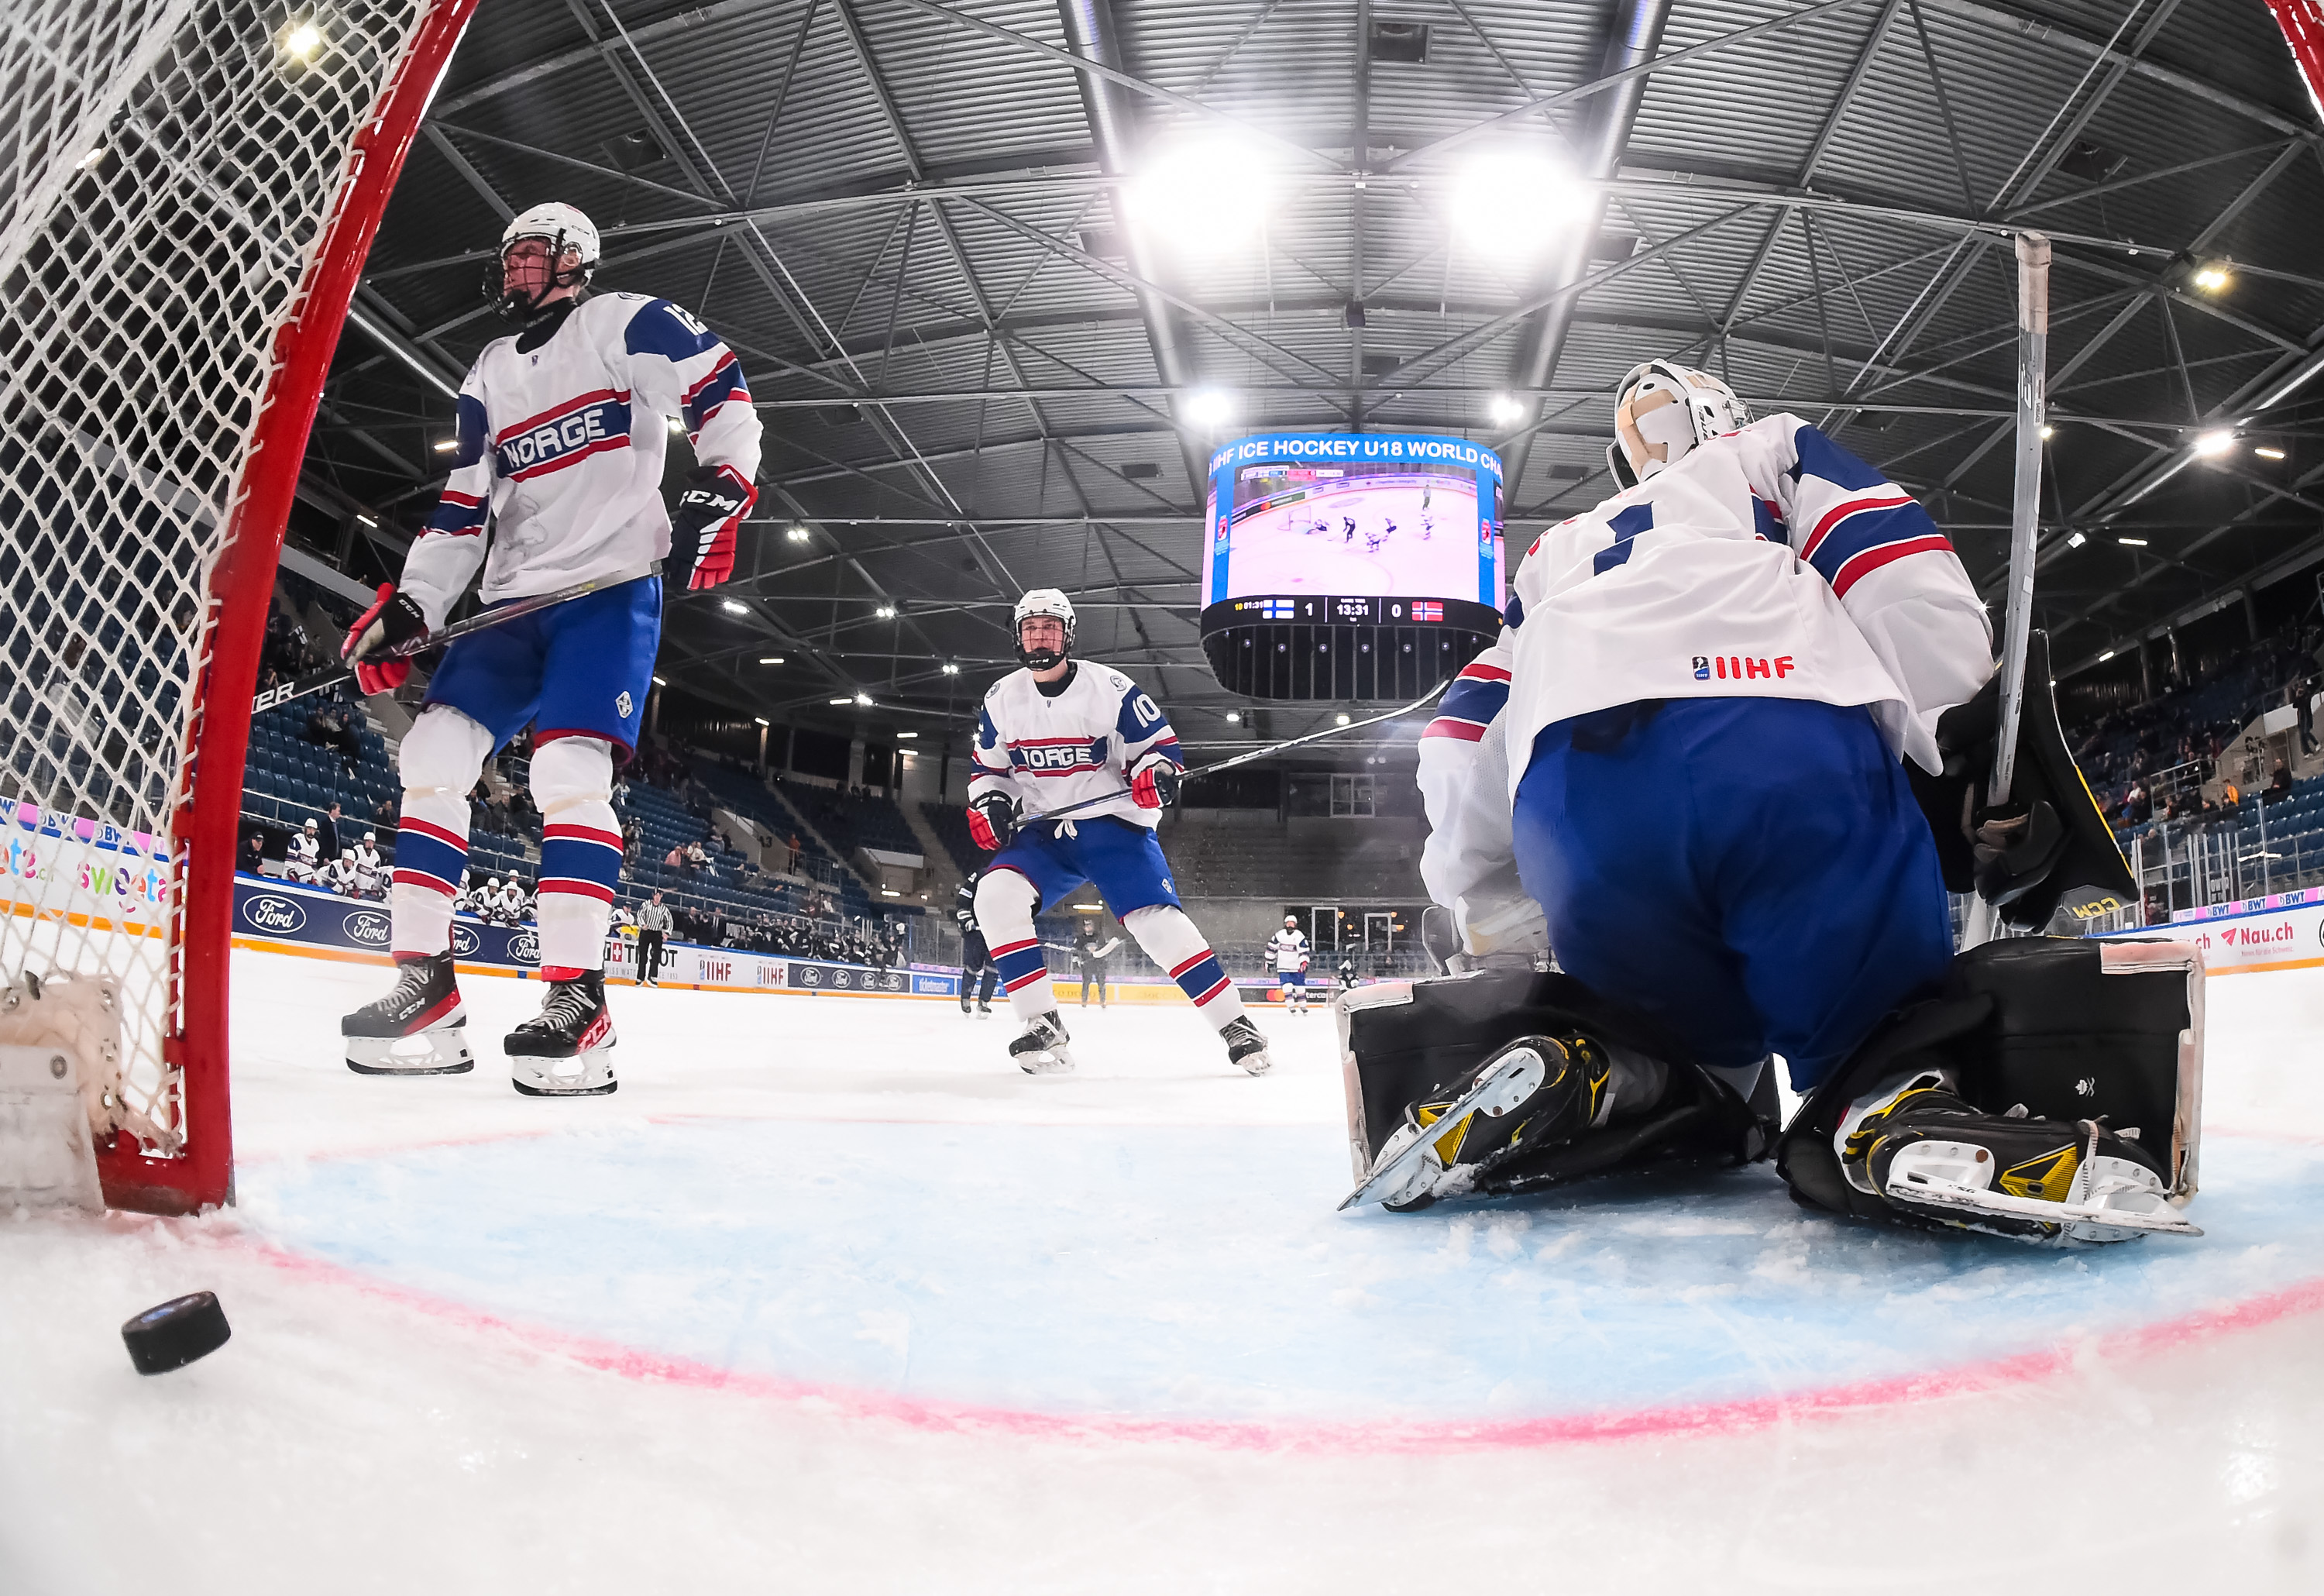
x=1768, y=562
x=1049, y=751
x=1286, y=951
x=561, y=448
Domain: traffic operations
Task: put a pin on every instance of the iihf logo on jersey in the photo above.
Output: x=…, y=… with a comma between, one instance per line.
x=1742, y=667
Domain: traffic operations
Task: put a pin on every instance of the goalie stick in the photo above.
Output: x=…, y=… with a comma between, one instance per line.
x=1269, y=752
x=331, y=676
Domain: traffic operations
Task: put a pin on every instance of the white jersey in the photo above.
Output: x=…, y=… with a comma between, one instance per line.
x=367, y=861
x=305, y=853
x=1768, y=563
x=340, y=875
x=1052, y=752
x=1287, y=951
x=561, y=446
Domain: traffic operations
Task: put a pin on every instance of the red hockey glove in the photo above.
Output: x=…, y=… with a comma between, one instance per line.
x=702, y=533
x=1155, y=785
x=379, y=644
x=992, y=821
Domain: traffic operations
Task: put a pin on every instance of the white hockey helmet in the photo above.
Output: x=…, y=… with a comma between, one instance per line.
x=311, y=826
x=1662, y=409
x=1042, y=601
x=1291, y=922
x=494, y=883
x=562, y=227
x=371, y=837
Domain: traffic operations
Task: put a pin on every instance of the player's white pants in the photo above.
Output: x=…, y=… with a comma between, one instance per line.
x=441, y=757
x=580, y=852
x=1172, y=941
x=1004, y=913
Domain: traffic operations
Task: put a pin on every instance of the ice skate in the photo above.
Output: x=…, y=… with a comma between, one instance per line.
x=1042, y=1050
x=1925, y=1150
x=567, y=1050
x=418, y=1028
x=1246, y=1047
x=984, y=1010
x=1547, y=1089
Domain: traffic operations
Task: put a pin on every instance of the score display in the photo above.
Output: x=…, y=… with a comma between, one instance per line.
x=1350, y=565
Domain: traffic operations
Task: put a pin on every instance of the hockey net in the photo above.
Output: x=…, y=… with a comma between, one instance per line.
x=188, y=190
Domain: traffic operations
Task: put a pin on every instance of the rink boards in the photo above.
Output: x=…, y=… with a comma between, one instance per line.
x=2283, y=931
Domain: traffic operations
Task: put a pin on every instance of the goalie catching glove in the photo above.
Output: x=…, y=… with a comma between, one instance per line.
x=1154, y=785
x=382, y=640
x=992, y=821
x=702, y=533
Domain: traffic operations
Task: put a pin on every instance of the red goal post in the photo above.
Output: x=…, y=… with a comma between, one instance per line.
x=188, y=189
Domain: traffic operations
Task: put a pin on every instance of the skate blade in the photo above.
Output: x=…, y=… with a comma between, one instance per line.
x=1394, y=1181
x=1962, y=1199
x=605, y=1089
x=1055, y=1062
x=1258, y=1064
x=377, y=1056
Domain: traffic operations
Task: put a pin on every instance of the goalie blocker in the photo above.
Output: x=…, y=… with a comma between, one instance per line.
x=2049, y=848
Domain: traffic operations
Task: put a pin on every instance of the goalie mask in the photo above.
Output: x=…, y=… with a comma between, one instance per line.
x=1043, y=601
x=1662, y=411
x=563, y=229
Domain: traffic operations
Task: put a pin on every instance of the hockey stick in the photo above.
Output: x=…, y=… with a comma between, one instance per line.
x=2025, y=529
x=331, y=676
x=1269, y=752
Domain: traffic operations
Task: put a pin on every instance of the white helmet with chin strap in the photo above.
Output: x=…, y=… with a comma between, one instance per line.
x=562, y=227
x=1043, y=601
x=1663, y=410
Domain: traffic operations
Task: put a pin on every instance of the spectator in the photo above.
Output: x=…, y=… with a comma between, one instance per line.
x=793, y=867
x=676, y=858
x=2279, y=780
x=2305, y=695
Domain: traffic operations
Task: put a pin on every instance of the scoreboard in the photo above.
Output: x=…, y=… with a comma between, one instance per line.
x=1350, y=565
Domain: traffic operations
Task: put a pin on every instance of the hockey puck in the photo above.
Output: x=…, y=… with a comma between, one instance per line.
x=175, y=1333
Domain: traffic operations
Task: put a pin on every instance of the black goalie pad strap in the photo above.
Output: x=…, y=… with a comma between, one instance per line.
x=2055, y=849
x=2073, y=1030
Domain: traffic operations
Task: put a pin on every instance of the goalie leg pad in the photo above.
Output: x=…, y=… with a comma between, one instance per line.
x=2076, y=1066
x=1413, y=1054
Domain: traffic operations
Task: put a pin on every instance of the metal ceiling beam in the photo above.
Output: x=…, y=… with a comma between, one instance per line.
x=1632, y=38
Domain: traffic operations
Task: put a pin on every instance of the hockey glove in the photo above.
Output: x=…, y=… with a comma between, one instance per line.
x=702, y=533
x=1155, y=785
x=380, y=643
x=992, y=821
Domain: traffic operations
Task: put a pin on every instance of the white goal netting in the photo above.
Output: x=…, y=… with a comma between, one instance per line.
x=167, y=169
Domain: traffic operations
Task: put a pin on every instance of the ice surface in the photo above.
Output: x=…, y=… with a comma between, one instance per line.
x=830, y=1293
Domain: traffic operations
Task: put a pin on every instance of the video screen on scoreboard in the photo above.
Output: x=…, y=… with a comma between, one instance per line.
x=1354, y=516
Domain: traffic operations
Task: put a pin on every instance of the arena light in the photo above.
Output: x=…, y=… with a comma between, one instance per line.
x=2107, y=656
x=444, y=446
x=770, y=658
x=676, y=425
x=2210, y=446
x=2267, y=452
x=2076, y=540
x=886, y=612
x=1342, y=720
x=1233, y=719
x=2212, y=277
x=835, y=703
x=2049, y=431
x=1516, y=200
x=90, y=160
x=366, y=520
x=2132, y=542
x=908, y=733
x=798, y=535
x=864, y=699
x=301, y=41
x=760, y=719
x=1209, y=407
x=1506, y=410
x=659, y=683
x=890, y=893
x=951, y=667
x=1204, y=196
x=733, y=606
